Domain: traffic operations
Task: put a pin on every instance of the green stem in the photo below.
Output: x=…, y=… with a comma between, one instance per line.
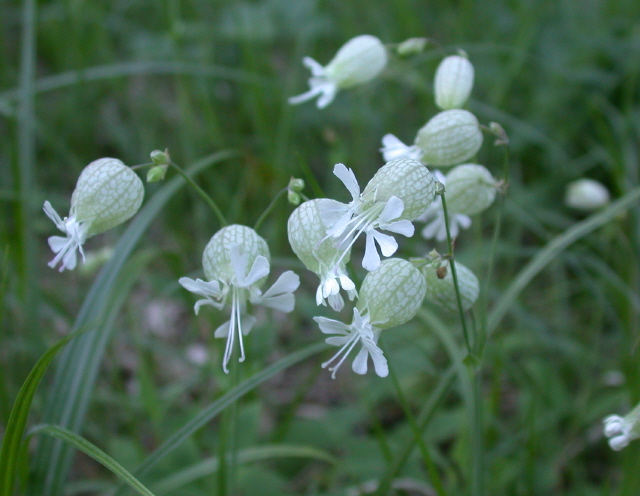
x=204, y=196
x=455, y=275
x=269, y=208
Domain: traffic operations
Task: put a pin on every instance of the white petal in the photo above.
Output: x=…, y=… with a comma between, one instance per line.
x=223, y=330
x=247, y=322
x=69, y=260
x=431, y=230
x=309, y=95
x=53, y=215
x=198, y=286
x=379, y=363
x=328, y=94
x=359, y=365
x=206, y=301
x=371, y=259
x=388, y=244
x=464, y=221
x=315, y=67
x=404, y=227
x=57, y=243
x=348, y=178
x=336, y=302
x=392, y=210
x=259, y=269
x=346, y=283
x=330, y=326
x=288, y=282
x=332, y=211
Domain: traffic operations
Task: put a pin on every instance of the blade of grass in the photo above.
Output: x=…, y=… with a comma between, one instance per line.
x=94, y=452
x=73, y=384
x=210, y=412
x=14, y=432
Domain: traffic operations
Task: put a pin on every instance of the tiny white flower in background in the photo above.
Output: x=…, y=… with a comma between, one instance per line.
x=586, y=194
x=396, y=195
x=453, y=82
x=308, y=239
x=622, y=430
x=441, y=290
x=360, y=60
x=107, y=193
x=236, y=265
x=449, y=138
x=389, y=297
x=434, y=217
x=393, y=148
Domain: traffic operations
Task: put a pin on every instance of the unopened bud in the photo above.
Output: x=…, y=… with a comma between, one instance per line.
x=453, y=82
x=159, y=157
x=156, y=173
x=412, y=46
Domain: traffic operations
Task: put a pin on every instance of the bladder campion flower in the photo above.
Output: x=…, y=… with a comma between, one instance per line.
x=453, y=82
x=434, y=217
x=393, y=148
x=236, y=266
x=360, y=60
x=397, y=194
x=308, y=239
x=586, y=194
x=389, y=297
x=622, y=430
x=441, y=289
x=107, y=193
x=449, y=138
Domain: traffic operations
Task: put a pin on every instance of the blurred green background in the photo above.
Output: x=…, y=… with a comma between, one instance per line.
x=81, y=80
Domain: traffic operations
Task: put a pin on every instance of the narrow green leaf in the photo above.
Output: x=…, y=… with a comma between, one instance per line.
x=94, y=452
x=254, y=454
x=545, y=256
x=75, y=376
x=210, y=412
x=14, y=433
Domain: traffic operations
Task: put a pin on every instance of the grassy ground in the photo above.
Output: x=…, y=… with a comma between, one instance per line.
x=83, y=80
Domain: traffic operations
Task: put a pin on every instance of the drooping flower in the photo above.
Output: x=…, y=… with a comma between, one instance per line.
x=586, y=194
x=397, y=194
x=360, y=60
x=236, y=265
x=453, y=82
x=449, y=138
x=107, y=193
x=308, y=239
x=393, y=148
x=622, y=430
x=389, y=297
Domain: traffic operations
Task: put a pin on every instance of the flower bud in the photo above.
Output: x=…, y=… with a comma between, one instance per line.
x=449, y=138
x=296, y=184
x=392, y=294
x=470, y=189
x=107, y=193
x=156, y=174
x=453, y=82
x=411, y=46
x=159, y=157
x=586, y=194
x=358, y=61
x=216, y=259
x=406, y=179
x=442, y=291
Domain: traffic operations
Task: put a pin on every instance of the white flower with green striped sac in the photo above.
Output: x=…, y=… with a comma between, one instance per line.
x=107, y=193
x=393, y=148
x=389, y=297
x=359, y=61
x=236, y=266
x=397, y=194
x=308, y=240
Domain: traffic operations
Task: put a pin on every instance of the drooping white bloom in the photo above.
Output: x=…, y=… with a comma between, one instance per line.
x=435, y=227
x=389, y=297
x=586, y=194
x=308, y=239
x=397, y=194
x=360, y=60
x=393, y=148
x=453, y=82
x=622, y=430
x=107, y=193
x=236, y=265
x=449, y=138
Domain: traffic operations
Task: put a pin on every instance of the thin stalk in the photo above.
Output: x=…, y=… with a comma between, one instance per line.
x=269, y=208
x=455, y=276
x=209, y=201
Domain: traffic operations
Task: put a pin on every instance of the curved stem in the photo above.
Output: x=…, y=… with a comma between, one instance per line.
x=269, y=208
x=204, y=196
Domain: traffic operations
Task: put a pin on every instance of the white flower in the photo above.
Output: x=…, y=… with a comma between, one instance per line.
x=434, y=218
x=398, y=193
x=586, y=194
x=622, y=430
x=360, y=331
x=107, y=193
x=360, y=60
x=453, y=82
x=236, y=264
x=393, y=148
x=308, y=239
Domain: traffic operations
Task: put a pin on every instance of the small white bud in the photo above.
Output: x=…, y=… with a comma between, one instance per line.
x=586, y=194
x=449, y=138
x=470, y=189
x=453, y=82
x=412, y=46
x=442, y=291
